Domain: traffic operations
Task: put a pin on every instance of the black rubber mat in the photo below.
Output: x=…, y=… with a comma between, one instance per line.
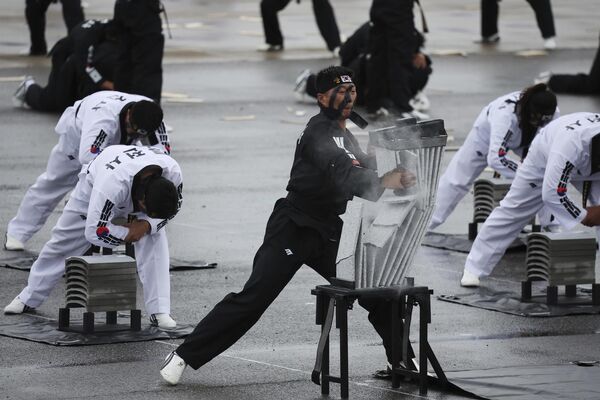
x=43, y=330
x=574, y=381
x=22, y=260
x=510, y=303
x=460, y=243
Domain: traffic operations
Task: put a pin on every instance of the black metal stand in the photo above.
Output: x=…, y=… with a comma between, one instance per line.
x=88, y=326
x=340, y=299
x=552, y=293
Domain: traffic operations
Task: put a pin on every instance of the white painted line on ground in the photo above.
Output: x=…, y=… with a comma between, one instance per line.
x=361, y=384
x=12, y=78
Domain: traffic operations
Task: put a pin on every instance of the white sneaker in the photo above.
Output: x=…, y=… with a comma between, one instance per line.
x=469, y=280
x=543, y=77
x=163, y=321
x=420, y=116
x=18, y=98
x=550, y=43
x=12, y=244
x=17, y=307
x=492, y=39
x=172, y=368
x=270, y=48
x=381, y=112
x=420, y=102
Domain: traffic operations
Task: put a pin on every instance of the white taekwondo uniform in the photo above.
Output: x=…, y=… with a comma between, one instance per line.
x=495, y=131
x=103, y=194
x=559, y=154
x=84, y=129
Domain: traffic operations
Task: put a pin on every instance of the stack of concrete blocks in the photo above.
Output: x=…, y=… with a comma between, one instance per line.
x=565, y=258
x=379, y=240
x=106, y=283
x=487, y=194
x=561, y=259
x=101, y=283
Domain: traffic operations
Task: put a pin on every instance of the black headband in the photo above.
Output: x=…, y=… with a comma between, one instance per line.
x=325, y=85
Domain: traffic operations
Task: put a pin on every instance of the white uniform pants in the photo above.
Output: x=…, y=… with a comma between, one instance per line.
x=466, y=165
x=43, y=196
x=152, y=256
x=504, y=223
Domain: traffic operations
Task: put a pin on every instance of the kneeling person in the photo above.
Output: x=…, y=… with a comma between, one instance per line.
x=122, y=180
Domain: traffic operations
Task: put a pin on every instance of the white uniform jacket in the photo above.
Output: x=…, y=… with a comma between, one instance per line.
x=566, y=145
x=93, y=123
x=498, y=127
x=107, y=182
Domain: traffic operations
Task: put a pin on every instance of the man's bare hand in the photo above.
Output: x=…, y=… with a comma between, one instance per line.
x=137, y=229
x=398, y=179
x=419, y=61
x=593, y=216
x=107, y=85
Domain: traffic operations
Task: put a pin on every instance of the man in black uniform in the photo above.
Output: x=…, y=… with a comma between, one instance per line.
x=323, y=14
x=543, y=15
x=353, y=54
x=139, y=66
x=328, y=170
x=35, y=13
x=82, y=64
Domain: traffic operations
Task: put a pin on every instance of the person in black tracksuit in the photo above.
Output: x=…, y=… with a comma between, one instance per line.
x=35, y=14
x=82, y=63
x=353, y=54
x=578, y=83
x=323, y=14
x=543, y=16
x=329, y=168
x=141, y=47
x=392, y=44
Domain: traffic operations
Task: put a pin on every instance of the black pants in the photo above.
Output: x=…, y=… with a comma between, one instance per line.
x=323, y=14
x=141, y=47
x=286, y=248
x=35, y=14
x=578, y=83
x=61, y=90
x=543, y=16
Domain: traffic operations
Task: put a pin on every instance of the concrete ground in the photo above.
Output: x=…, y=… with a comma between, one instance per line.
x=235, y=123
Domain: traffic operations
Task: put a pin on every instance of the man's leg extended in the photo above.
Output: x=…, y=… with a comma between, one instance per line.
x=275, y=263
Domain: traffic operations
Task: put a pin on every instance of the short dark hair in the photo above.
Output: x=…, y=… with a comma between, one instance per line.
x=331, y=77
x=161, y=198
x=146, y=115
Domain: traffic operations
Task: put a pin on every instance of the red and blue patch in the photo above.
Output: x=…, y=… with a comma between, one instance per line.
x=102, y=231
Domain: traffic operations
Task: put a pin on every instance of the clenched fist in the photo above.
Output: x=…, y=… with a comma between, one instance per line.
x=593, y=216
x=137, y=229
x=398, y=179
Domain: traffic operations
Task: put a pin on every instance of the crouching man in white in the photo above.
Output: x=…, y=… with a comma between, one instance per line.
x=566, y=150
x=508, y=123
x=85, y=129
x=122, y=180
